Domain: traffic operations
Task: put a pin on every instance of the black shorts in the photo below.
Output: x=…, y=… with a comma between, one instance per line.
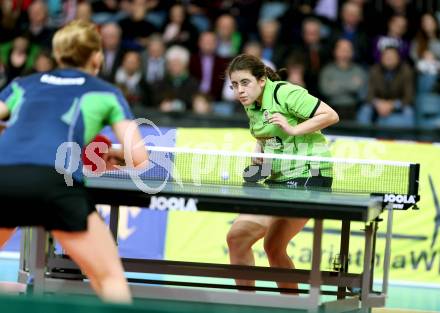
x=322, y=183
x=32, y=195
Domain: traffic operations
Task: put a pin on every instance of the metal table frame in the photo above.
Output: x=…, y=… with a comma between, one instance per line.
x=41, y=267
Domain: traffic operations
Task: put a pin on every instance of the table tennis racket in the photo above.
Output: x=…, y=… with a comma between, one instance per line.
x=254, y=173
x=87, y=161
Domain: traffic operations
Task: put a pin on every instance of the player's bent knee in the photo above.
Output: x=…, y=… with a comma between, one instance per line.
x=241, y=238
x=274, y=250
x=234, y=240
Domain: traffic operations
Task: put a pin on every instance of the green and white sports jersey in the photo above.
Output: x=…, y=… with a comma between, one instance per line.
x=296, y=105
x=54, y=108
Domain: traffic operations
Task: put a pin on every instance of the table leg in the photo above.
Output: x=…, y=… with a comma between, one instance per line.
x=114, y=221
x=375, y=226
x=366, y=275
x=37, y=259
x=387, y=256
x=315, y=273
x=343, y=254
x=23, y=265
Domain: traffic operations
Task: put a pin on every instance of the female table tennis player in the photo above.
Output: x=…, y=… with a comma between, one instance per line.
x=284, y=118
x=45, y=111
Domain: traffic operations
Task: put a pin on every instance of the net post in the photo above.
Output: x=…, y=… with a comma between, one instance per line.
x=413, y=182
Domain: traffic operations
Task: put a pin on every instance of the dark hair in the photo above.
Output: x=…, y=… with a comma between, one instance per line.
x=422, y=39
x=247, y=62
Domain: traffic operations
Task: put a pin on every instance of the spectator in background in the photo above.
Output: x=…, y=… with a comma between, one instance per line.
x=343, y=82
x=202, y=104
x=130, y=79
x=272, y=10
x=428, y=65
x=158, y=11
x=38, y=31
x=178, y=30
x=44, y=62
x=295, y=69
x=18, y=57
x=254, y=48
x=350, y=28
x=315, y=51
x=105, y=6
x=229, y=39
x=273, y=50
x=3, y=77
x=326, y=10
x=84, y=11
x=405, y=8
x=390, y=92
x=370, y=12
x=61, y=12
x=200, y=12
x=425, y=52
x=397, y=27
x=174, y=93
x=135, y=29
x=244, y=12
x=8, y=21
x=425, y=48
x=126, y=8
x=153, y=59
x=112, y=49
x=292, y=20
x=207, y=67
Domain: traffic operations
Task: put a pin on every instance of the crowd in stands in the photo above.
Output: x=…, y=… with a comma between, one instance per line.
x=375, y=62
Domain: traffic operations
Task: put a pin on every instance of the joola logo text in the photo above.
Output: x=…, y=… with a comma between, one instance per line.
x=173, y=204
x=406, y=199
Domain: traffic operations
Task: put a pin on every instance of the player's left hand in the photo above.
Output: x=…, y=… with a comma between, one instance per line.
x=281, y=121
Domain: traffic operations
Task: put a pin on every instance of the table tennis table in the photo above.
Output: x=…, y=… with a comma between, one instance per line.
x=51, y=272
x=248, y=198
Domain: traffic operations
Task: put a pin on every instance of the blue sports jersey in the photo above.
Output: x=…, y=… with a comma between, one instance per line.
x=50, y=109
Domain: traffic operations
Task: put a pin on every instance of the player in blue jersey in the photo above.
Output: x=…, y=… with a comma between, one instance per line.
x=50, y=118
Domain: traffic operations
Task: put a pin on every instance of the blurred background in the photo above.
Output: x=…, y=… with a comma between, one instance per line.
x=376, y=62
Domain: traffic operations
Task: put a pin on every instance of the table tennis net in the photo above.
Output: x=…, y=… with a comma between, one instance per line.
x=201, y=167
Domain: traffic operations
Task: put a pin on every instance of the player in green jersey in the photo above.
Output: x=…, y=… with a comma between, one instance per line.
x=284, y=118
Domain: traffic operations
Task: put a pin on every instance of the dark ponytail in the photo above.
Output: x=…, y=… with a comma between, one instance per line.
x=247, y=62
x=281, y=74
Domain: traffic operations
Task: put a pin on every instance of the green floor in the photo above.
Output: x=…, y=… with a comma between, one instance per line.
x=76, y=304
x=403, y=297
x=51, y=304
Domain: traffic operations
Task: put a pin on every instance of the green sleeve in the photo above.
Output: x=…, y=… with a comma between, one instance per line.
x=15, y=97
x=116, y=111
x=100, y=109
x=298, y=101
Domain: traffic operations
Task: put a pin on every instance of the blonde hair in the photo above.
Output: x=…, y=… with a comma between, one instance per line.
x=75, y=42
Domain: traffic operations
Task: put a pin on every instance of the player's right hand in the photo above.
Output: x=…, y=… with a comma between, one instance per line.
x=113, y=159
x=91, y=160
